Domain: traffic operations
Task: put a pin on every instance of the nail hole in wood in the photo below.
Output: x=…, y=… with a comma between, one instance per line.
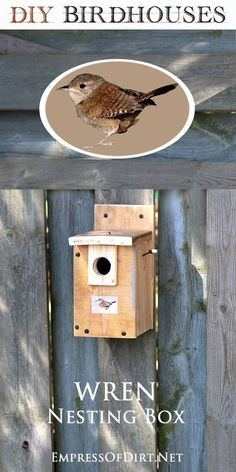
x=25, y=445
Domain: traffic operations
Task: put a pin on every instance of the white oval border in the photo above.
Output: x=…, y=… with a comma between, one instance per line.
x=44, y=97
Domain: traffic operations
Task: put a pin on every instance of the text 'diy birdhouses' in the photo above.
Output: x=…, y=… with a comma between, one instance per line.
x=113, y=283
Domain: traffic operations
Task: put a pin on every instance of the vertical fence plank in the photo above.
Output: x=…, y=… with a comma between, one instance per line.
x=25, y=439
x=221, y=350
x=74, y=359
x=128, y=361
x=182, y=325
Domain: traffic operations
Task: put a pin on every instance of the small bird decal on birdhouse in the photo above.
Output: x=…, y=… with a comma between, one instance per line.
x=104, y=303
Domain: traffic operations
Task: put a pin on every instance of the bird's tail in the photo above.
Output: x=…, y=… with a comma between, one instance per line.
x=158, y=91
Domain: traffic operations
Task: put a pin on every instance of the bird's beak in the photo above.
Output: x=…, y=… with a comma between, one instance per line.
x=64, y=87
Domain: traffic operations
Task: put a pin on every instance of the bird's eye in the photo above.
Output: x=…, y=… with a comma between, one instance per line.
x=82, y=86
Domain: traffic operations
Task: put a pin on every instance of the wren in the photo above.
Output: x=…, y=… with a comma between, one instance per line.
x=107, y=106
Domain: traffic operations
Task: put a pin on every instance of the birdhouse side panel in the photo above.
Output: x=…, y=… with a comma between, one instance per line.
x=145, y=288
x=105, y=310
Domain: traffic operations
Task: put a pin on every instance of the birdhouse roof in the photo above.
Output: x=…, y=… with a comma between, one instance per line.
x=110, y=238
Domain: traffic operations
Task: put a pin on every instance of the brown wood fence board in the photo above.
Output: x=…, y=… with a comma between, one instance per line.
x=221, y=351
x=182, y=325
x=163, y=41
x=207, y=75
x=74, y=359
x=25, y=382
x=128, y=361
x=31, y=172
x=211, y=137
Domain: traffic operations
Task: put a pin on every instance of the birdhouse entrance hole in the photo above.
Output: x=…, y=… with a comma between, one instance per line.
x=102, y=266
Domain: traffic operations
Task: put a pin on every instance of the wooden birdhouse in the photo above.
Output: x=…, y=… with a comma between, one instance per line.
x=113, y=274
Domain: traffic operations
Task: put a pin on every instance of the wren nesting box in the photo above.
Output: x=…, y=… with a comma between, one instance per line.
x=113, y=278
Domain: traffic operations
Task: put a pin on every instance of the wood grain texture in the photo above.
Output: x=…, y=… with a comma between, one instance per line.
x=163, y=41
x=144, y=285
x=105, y=324
x=206, y=75
x=136, y=218
x=12, y=45
x=73, y=359
x=221, y=351
x=182, y=325
x=96, y=277
x=126, y=217
x=30, y=172
x=24, y=359
x=110, y=238
x=127, y=361
x=211, y=137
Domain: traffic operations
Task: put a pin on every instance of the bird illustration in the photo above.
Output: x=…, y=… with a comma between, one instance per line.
x=107, y=106
x=104, y=303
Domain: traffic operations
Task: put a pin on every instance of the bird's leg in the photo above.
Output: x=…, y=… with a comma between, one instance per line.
x=103, y=143
x=111, y=128
x=91, y=146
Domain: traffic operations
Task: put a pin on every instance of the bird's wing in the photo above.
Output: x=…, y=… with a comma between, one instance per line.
x=113, y=102
x=139, y=96
x=133, y=93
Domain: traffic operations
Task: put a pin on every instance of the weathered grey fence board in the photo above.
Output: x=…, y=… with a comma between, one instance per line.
x=207, y=75
x=74, y=359
x=11, y=45
x=212, y=137
x=25, y=383
x=164, y=41
x=32, y=172
x=216, y=102
x=221, y=351
x=182, y=325
x=128, y=361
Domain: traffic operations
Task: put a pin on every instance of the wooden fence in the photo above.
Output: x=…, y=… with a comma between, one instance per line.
x=206, y=62
x=48, y=193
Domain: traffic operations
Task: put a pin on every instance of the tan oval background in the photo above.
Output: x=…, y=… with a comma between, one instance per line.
x=156, y=126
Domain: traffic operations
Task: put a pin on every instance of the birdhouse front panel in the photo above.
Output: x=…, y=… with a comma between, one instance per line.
x=102, y=265
x=105, y=310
